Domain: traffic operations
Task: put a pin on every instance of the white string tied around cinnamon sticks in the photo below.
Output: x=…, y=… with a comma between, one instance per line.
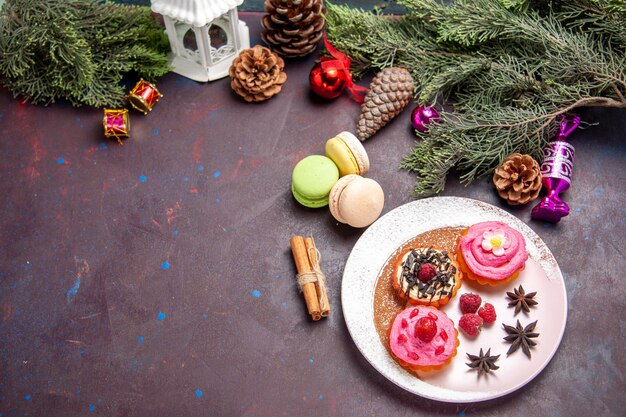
x=316, y=277
x=310, y=278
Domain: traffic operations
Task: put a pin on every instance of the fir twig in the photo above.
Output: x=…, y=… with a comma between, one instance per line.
x=509, y=67
x=78, y=50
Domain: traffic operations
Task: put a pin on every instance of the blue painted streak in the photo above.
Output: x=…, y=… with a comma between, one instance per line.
x=73, y=291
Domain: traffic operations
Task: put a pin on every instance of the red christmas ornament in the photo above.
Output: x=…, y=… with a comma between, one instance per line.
x=331, y=76
x=328, y=81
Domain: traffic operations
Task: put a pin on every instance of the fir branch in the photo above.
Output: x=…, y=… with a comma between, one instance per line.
x=510, y=67
x=78, y=50
x=473, y=146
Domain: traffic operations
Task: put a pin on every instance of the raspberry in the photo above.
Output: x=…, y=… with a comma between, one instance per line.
x=425, y=329
x=444, y=336
x=427, y=272
x=470, y=302
x=471, y=323
x=488, y=313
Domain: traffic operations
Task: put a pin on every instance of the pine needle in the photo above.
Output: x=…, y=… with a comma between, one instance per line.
x=509, y=67
x=77, y=50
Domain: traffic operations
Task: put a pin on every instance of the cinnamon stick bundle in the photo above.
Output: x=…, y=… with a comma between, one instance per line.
x=310, y=276
x=311, y=251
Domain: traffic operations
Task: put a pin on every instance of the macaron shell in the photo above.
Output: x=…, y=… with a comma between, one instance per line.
x=338, y=151
x=312, y=179
x=356, y=201
x=358, y=151
x=335, y=195
x=307, y=202
x=361, y=202
x=348, y=154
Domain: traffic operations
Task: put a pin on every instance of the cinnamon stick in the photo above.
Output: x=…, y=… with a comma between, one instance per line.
x=322, y=295
x=303, y=266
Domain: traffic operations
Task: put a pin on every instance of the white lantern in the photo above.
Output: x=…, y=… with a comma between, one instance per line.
x=205, y=36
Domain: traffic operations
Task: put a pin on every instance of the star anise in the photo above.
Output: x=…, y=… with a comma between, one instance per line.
x=483, y=362
x=521, y=336
x=521, y=300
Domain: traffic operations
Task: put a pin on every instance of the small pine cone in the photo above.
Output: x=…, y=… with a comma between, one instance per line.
x=293, y=28
x=257, y=74
x=518, y=179
x=389, y=93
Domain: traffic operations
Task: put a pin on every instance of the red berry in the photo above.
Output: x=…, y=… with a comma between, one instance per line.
x=414, y=313
x=427, y=272
x=488, y=313
x=470, y=302
x=425, y=329
x=471, y=323
x=404, y=323
x=444, y=336
x=413, y=355
x=402, y=338
x=439, y=350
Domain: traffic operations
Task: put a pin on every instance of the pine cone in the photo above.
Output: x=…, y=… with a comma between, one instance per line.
x=390, y=92
x=257, y=74
x=293, y=28
x=518, y=179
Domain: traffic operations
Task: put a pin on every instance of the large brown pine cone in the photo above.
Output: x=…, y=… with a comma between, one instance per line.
x=293, y=28
x=390, y=92
x=257, y=74
x=518, y=179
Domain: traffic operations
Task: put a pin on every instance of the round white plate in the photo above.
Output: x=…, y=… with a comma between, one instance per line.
x=457, y=382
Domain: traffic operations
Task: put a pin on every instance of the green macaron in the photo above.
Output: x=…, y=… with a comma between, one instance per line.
x=312, y=179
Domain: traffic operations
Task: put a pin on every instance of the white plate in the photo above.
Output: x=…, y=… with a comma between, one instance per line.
x=457, y=382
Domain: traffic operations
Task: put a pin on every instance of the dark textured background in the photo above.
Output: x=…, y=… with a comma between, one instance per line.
x=155, y=278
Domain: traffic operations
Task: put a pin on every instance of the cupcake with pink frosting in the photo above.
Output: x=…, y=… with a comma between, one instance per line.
x=423, y=338
x=491, y=253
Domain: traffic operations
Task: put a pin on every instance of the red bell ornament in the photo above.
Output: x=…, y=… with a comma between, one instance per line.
x=328, y=80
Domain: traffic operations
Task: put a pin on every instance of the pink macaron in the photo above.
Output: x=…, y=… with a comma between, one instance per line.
x=356, y=201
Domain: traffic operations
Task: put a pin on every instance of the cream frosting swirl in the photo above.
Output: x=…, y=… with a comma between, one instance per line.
x=409, y=348
x=493, y=250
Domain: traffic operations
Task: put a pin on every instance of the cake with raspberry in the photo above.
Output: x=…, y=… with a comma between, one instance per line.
x=491, y=253
x=426, y=276
x=423, y=338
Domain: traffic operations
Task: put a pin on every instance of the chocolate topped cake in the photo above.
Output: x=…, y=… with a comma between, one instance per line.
x=426, y=276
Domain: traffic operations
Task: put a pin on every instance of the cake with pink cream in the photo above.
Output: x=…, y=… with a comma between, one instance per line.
x=491, y=253
x=423, y=338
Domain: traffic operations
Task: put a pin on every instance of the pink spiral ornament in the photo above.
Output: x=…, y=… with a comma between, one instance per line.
x=556, y=172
